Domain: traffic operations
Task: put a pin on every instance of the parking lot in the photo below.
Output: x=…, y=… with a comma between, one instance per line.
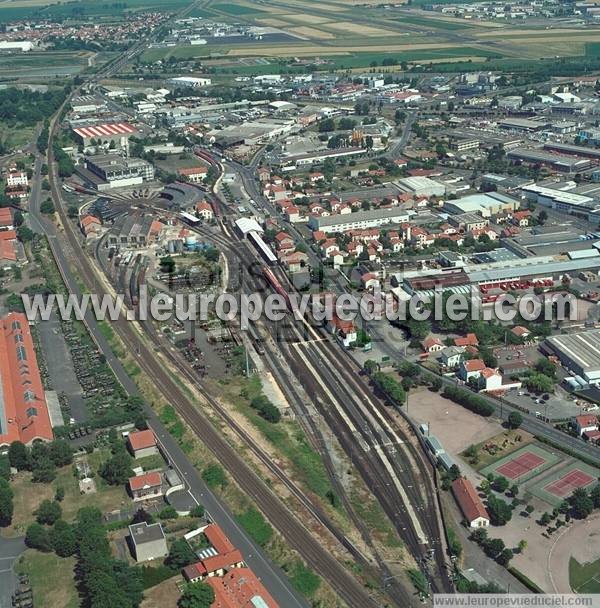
x=10, y=549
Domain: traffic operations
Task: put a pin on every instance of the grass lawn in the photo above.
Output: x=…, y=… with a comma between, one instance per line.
x=507, y=442
x=237, y=9
x=584, y=578
x=16, y=136
x=29, y=495
x=51, y=577
x=148, y=463
x=436, y=23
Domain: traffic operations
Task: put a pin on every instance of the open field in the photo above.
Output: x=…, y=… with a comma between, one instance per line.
x=52, y=578
x=305, y=18
x=452, y=424
x=272, y=22
x=584, y=578
x=312, y=32
x=434, y=23
x=237, y=8
x=29, y=495
x=357, y=28
x=46, y=63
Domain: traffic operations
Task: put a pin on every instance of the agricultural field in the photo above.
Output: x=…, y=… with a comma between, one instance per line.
x=47, y=64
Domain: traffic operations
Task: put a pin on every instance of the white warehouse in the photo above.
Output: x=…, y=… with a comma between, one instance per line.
x=360, y=220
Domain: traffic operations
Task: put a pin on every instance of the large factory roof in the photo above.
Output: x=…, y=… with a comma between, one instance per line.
x=106, y=130
x=582, y=348
x=533, y=267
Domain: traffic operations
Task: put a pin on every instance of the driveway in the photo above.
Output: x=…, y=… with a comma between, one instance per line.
x=10, y=550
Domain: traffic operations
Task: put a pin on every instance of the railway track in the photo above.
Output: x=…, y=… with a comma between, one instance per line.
x=355, y=413
x=294, y=532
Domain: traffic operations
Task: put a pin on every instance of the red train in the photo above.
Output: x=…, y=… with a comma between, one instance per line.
x=278, y=287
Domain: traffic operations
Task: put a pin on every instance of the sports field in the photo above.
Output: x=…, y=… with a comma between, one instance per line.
x=523, y=464
x=561, y=482
x=584, y=578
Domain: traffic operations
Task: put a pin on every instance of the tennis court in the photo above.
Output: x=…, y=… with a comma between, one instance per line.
x=521, y=465
x=568, y=483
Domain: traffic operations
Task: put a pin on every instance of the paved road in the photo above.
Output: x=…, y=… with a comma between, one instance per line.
x=10, y=550
x=274, y=579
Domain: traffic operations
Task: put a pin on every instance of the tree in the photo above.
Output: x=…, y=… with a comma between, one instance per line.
x=504, y=558
x=214, y=476
x=37, y=537
x=180, y=555
x=59, y=495
x=6, y=503
x=493, y=547
x=4, y=467
x=61, y=452
x=168, y=513
x=43, y=469
x=595, y=496
x=522, y=546
x=197, y=511
x=48, y=512
x=117, y=469
x=501, y=484
x=141, y=515
x=62, y=538
x=24, y=234
x=47, y=207
x=515, y=419
x=581, y=504
x=500, y=513
x=197, y=595
x=18, y=455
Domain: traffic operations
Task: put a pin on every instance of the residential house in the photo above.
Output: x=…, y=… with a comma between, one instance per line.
x=142, y=443
x=205, y=211
x=284, y=242
x=90, y=225
x=471, y=368
x=490, y=379
x=195, y=175
x=468, y=340
x=451, y=356
x=345, y=331
x=217, y=559
x=585, y=423
x=146, y=486
x=520, y=332
x=432, y=345
x=470, y=504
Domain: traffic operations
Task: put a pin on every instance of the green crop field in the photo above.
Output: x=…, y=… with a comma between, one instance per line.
x=237, y=9
x=435, y=23
x=584, y=578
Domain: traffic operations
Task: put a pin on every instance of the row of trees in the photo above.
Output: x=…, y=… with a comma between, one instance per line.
x=41, y=459
x=468, y=400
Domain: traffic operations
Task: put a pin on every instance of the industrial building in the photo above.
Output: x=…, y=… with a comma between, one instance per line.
x=555, y=162
x=24, y=413
x=105, y=134
x=578, y=352
x=562, y=200
x=358, y=220
x=188, y=82
x=134, y=230
x=486, y=204
x=113, y=171
x=421, y=186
